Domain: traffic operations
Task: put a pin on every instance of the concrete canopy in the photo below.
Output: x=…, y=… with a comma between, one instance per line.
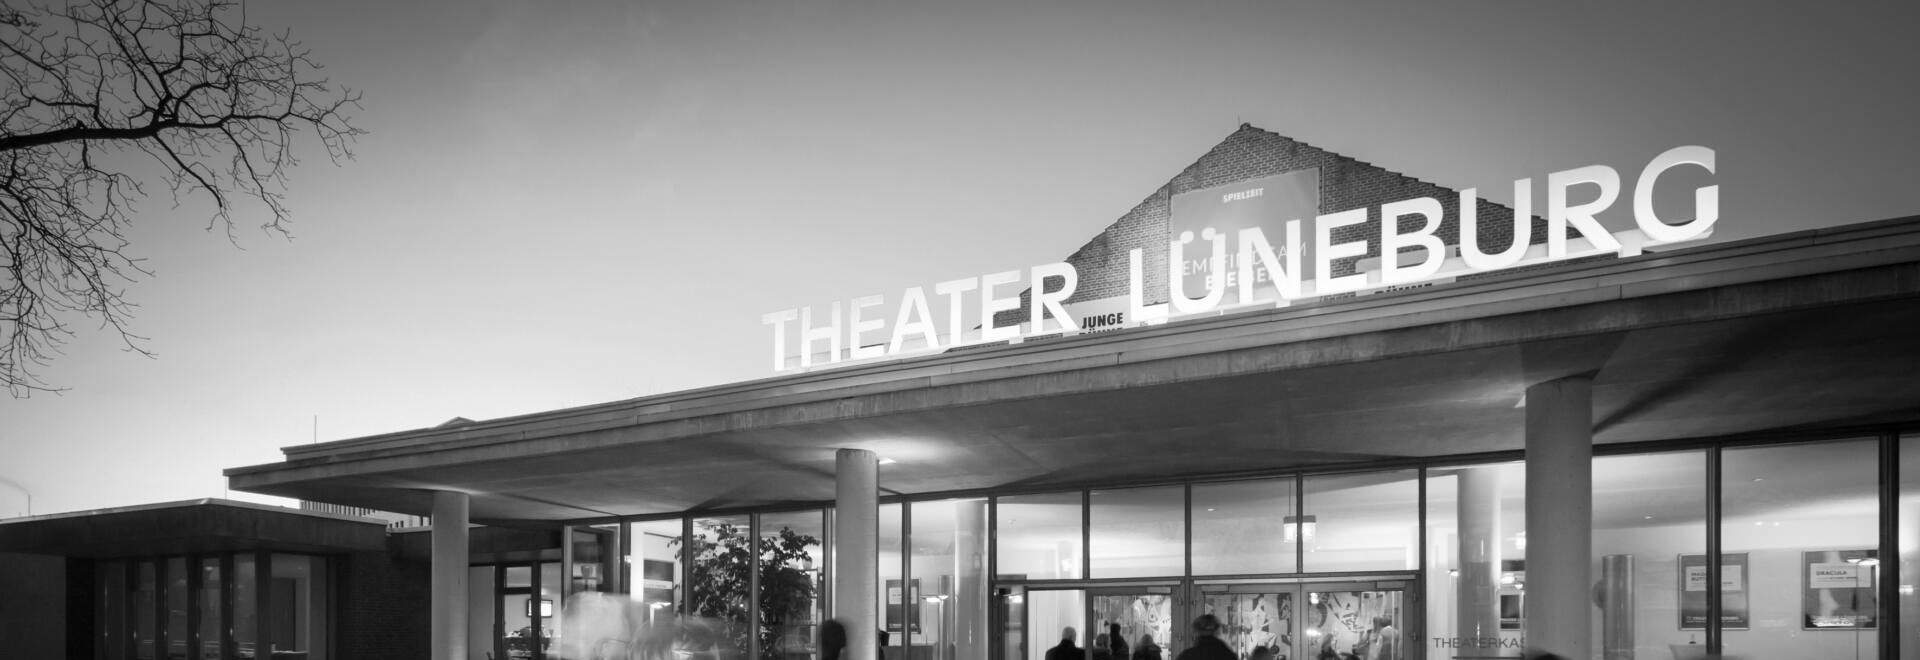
x=1806, y=330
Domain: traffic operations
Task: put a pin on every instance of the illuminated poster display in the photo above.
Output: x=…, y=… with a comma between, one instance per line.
x=1733, y=592
x=1266, y=203
x=1839, y=592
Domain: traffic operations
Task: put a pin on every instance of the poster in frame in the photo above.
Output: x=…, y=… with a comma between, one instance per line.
x=898, y=601
x=1734, y=610
x=1838, y=591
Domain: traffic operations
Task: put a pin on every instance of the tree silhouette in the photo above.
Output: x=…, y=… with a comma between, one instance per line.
x=99, y=98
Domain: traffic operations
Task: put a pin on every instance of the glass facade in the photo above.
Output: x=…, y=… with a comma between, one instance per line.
x=1406, y=562
x=791, y=558
x=214, y=606
x=1799, y=533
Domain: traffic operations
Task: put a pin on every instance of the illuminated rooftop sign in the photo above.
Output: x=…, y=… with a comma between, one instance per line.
x=1259, y=270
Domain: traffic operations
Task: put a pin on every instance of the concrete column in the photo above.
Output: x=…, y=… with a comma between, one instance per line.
x=449, y=620
x=1560, y=517
x=856, y=550
x=970, y=580
x=1478, y=599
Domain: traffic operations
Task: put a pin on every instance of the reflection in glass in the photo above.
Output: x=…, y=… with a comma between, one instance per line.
x=246, y=606
x=210, y=599
x=653, y=567
x=1476, y=559
x=891, y=600
x=110, y=630
x=720, y=553
x=1039, y=536
x=548, y=609
x=1909, y=546
x=1052, y=612
x=1366, y=624
x=1237, y=528
x=146, y=625
x=297, y=606
x=1138, y=532
x=176, y=614
x=1798, y=513
x=483, y=599
x=791, y=557
x=1135, y=615
x=1649, y=523
x=1253, y=618
x=949, y=567
x=1365, y=522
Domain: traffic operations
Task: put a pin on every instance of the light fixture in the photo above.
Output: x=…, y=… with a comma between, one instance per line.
x=1453, y=572
x=1520, y=541
x=887, y=461
x=1296, y=527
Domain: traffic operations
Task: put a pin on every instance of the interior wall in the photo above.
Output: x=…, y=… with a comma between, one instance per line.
x=1774, y=586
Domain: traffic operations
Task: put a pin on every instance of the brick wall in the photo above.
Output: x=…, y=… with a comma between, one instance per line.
x=384, y=607
x=1249, y=153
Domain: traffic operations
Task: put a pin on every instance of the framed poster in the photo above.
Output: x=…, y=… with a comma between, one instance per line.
x=1734, y=612
x=1839, y=589
x=911, y=601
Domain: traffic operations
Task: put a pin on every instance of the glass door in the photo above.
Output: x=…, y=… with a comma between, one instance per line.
x=1127, y=618
x=1358, y=620
x=1133, y=619
x=1253, y=616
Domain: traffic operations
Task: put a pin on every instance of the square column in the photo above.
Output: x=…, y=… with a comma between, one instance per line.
x=1560, y=517
x=856, y=551
x=449, y=616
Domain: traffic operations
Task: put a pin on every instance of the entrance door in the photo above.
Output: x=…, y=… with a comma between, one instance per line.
x=1032, y=620
x=1312, y=620
x=1143, y=614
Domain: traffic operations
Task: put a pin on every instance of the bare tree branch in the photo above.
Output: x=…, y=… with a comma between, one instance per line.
x=91, y=88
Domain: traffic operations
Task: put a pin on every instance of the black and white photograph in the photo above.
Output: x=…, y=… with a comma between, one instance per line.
x=943, y=330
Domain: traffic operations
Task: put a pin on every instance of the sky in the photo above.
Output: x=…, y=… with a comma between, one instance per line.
x=562, y=204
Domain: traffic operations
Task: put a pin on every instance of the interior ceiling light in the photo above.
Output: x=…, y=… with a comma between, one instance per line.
x=887, y=461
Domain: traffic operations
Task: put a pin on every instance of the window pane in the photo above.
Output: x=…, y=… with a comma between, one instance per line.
x=1053, y=612
x=721, y=553
x=595, y=551
x=145, y=612
x=653, y=567
x=949, y=566
x=246, y=606
x=791, y=557
x=1804, y=516
x=1039, y=536
x=1649, y=553
x=1476, y=557
x=1238, y=528
x=210, y=607
x=482, y=598
x=297, y=606
x=176, y=614
x=1362, y=522
x=1909, y=545
x=111, y=611
x=893, y=602
x=1138, y=532
x=548, y=608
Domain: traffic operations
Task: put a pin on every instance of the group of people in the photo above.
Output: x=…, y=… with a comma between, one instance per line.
x=1378, y=644
x=1110, y=645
